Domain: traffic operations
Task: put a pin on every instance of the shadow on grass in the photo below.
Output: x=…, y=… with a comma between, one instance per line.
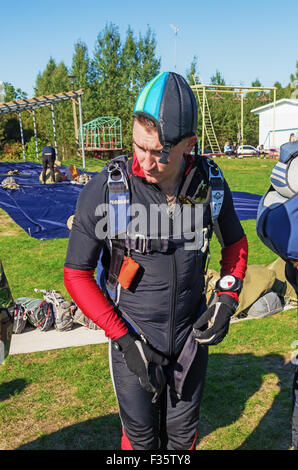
x=11, y=388
x=103, y=433
x=232, y=379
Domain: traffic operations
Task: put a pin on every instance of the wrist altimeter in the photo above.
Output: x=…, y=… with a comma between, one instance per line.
x=229, y=283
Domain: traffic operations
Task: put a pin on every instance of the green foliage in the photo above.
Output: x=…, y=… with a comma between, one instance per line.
x=13, y=94
x=112, y=79
x=12, y=151
x=30, y=149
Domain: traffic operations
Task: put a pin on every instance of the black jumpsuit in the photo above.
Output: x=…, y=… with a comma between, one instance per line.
x=164, y=304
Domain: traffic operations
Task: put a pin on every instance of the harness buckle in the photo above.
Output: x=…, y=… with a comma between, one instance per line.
x=116, y=174
x=205, y=239
x=140, y=243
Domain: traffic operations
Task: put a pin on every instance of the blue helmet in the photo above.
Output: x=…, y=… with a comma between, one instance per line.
x=169, y=101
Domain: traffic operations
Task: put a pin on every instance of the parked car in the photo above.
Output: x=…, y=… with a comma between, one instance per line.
x=246, y=150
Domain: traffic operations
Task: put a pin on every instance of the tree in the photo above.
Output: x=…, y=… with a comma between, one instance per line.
x=138, y=66
x=55, y=79
x=112, y=79
x=217, y=79
x=193, y=73
x=9, y=124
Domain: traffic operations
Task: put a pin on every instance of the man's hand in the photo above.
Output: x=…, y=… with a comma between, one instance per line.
x=213, y=325
x=141, y=359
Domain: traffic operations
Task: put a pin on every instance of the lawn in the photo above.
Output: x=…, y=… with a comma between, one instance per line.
x=64, y=399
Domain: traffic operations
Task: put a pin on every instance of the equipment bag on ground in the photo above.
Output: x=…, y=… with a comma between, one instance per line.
x=63, y=310
x=39, y=312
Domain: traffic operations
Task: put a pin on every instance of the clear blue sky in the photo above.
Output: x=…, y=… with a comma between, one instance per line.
x=243, y=40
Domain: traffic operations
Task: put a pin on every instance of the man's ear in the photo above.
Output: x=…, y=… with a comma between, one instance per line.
x=191, y=142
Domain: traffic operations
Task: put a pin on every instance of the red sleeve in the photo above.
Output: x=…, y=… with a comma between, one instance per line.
x=234, y=261
x=84, y=290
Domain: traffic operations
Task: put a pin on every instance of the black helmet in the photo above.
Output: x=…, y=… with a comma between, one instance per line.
x=169, y=101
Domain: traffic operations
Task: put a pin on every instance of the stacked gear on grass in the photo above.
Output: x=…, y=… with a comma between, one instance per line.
x=39, y=312
x=9, y=183
x=62, y=309
x=19, y=319
x=6, y=321
x=58, y=176
x=81, y=319
x=81, y=179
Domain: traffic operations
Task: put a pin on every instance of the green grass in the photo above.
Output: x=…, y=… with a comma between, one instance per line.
x=64, y=399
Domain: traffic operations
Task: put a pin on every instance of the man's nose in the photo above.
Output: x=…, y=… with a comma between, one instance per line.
x=149, y=161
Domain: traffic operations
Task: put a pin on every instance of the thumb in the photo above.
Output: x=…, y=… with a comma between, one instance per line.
x=155, y=357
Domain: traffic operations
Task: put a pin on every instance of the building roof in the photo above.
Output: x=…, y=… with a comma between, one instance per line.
x=37, y=102
x=277, y=103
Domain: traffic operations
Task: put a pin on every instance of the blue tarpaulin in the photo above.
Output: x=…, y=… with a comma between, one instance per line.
x=42, y=210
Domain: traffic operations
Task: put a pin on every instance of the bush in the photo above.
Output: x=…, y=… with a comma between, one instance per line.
x=31, y=149
x=12, y=151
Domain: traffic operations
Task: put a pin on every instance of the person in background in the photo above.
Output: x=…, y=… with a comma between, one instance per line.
x=227, y=148
x=261, y=151
x=292, y=137
x=48, y=159
x=234, y=149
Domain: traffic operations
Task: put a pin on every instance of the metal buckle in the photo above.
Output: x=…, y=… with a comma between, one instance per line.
x=206, y=240
x=142, y=248
x=116, y=168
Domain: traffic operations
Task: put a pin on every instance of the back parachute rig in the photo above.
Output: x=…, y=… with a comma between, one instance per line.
x=6, y=319
x=277, y=219
x=122, y=269
x=115, y=269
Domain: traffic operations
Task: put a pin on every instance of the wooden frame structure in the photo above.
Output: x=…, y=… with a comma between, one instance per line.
x=202, y=89
x=30, y=104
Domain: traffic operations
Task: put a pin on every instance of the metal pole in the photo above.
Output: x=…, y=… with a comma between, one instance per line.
x=242, y=122
x=203, y=122
x=35, y=134
x=274, y=115
x=81, y=130
x=176, y=29
x=75, y=122
x=54, y=130
x=175, y=50
x=22, y=135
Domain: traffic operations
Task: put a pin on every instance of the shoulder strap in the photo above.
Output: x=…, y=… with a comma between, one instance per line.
x=119, y=203
x=216, y=181
x=194, y=189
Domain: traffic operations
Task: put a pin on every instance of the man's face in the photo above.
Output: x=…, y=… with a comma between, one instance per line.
x=148, y=149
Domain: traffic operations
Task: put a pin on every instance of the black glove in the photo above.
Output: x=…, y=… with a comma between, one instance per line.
x=213, y=325
x=141, y=359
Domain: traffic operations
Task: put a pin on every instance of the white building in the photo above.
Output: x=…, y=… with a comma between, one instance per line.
x=2, y=92
x=275, y=130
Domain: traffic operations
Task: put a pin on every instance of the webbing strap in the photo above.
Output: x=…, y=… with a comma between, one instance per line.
x=217, y=189
x=142, y=244
x=119, y=202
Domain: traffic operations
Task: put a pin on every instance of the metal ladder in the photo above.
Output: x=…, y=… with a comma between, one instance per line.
x=209, y=128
